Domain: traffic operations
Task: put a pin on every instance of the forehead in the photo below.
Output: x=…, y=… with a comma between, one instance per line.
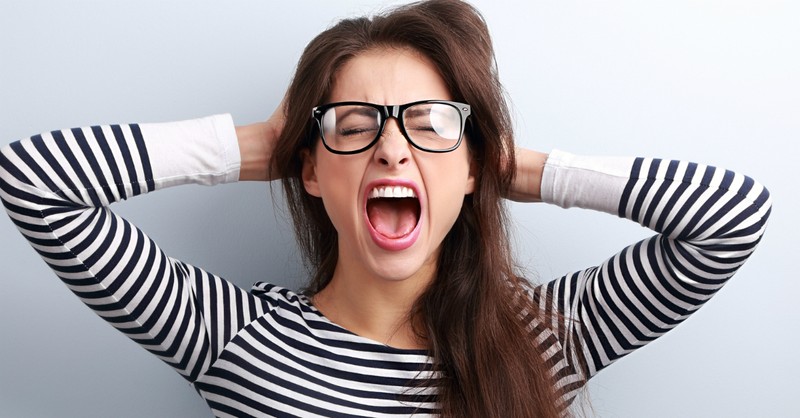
x=389, y=76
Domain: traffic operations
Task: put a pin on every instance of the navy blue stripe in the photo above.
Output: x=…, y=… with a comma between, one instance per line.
x=544, y=297
x=694, y=228
x=211, y=318
x=70, y=234
x=615, y=327
x=126, y=158
x=677, y=289
x=651, y=248
x=126, y=275
x=680, y=269
x=143, y=156
x=628, y=190
x=66, y=255
x=630, y=280
x=227, y=332
x=590, y=320
x=16, y=193
x=227, y=409
x=669, y=208
x=238, y=302
x=105, y=244
x=265, y=409
x=59, y=172
x=761, y=200
x=86, y=185
x=151, y=293
x=258, y=353
x=672, y=168
x=12, y=169
x=295, y=325
x=561, y=300
x=650, y=292
x=202, y=355
x=298, y=346
x=642, y=194
x=108, y=155
x=94, y=165
x=162, y=314
x=202, y=283
x=58, y=224
x=681, y=212
x=690, y=256
x=24, y=211
x=684, y=213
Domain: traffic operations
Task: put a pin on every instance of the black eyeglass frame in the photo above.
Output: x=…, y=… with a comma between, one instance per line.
x=391, y=111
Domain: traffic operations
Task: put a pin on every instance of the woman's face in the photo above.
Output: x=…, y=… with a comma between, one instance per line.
x=389, y=238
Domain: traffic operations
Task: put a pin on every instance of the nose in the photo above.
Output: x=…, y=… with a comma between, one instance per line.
x=392, y=149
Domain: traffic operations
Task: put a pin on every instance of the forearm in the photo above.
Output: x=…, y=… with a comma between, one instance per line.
x=55, y=187
x=709, y=221
x=256, y=143
x=683, y=200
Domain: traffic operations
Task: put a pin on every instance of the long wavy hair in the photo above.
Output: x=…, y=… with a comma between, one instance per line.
x=488, y=362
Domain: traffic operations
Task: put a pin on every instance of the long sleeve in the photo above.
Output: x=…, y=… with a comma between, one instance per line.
x=708, y=221
x=56, y=188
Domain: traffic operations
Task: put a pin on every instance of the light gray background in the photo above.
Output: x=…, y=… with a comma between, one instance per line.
x=711, y=81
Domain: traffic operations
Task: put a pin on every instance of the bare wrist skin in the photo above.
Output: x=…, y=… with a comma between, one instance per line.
x=255, y=148
x=527, y=183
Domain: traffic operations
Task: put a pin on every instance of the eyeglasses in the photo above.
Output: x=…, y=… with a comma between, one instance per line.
x=429, y=125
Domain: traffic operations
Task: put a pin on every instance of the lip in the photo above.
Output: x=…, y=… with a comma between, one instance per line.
x=394, y=244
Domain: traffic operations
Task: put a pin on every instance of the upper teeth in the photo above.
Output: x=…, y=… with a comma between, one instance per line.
x=392, y=191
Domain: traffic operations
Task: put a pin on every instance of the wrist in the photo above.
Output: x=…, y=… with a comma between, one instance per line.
x=255, y=152
x=527, y=184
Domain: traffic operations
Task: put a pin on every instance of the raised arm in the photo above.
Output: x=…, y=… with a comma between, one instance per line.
x=56, y=188
x=708, y=221
x=256, y=143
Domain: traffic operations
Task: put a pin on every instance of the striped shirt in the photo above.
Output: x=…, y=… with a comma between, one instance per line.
x=269, y=352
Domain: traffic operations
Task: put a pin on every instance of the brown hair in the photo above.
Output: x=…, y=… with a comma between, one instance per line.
x=489, y=363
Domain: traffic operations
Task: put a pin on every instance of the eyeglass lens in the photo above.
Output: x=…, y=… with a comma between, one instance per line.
x=434, y=126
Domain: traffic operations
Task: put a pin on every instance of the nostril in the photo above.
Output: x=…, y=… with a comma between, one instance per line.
x=392, y=150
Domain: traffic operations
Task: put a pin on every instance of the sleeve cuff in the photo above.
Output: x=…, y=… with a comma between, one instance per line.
x=597, y=183
x=198, y=151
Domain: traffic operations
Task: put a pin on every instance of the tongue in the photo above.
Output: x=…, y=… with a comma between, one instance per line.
x=393, y=218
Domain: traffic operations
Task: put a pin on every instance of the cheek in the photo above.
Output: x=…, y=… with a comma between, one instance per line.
x=448, y=212
x=339, y=184
x=446, y=192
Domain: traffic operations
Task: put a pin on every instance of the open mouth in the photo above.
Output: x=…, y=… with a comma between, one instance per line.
x=393, y=213
x=393, y=210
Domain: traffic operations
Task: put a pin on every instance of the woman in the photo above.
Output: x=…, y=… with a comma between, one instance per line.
x=394, y=146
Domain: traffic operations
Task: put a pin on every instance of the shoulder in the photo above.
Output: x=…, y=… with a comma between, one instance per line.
x=278, y=297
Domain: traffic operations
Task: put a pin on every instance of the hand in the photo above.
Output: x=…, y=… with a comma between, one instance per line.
x=527, y=184
x=256, y=143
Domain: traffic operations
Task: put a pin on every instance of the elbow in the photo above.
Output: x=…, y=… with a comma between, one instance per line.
x=758, y=212
x=6, y=168
x=763, y=203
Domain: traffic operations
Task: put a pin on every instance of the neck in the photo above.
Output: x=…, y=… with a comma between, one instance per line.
x=375, y=308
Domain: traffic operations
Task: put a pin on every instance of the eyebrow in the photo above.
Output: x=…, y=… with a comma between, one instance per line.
x=362, y=110
x=416, y=111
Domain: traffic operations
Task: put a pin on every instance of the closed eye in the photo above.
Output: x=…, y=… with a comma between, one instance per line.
x=355, y=131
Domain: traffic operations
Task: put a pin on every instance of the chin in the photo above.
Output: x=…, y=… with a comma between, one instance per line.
x=395, y=271
x=396, y=267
